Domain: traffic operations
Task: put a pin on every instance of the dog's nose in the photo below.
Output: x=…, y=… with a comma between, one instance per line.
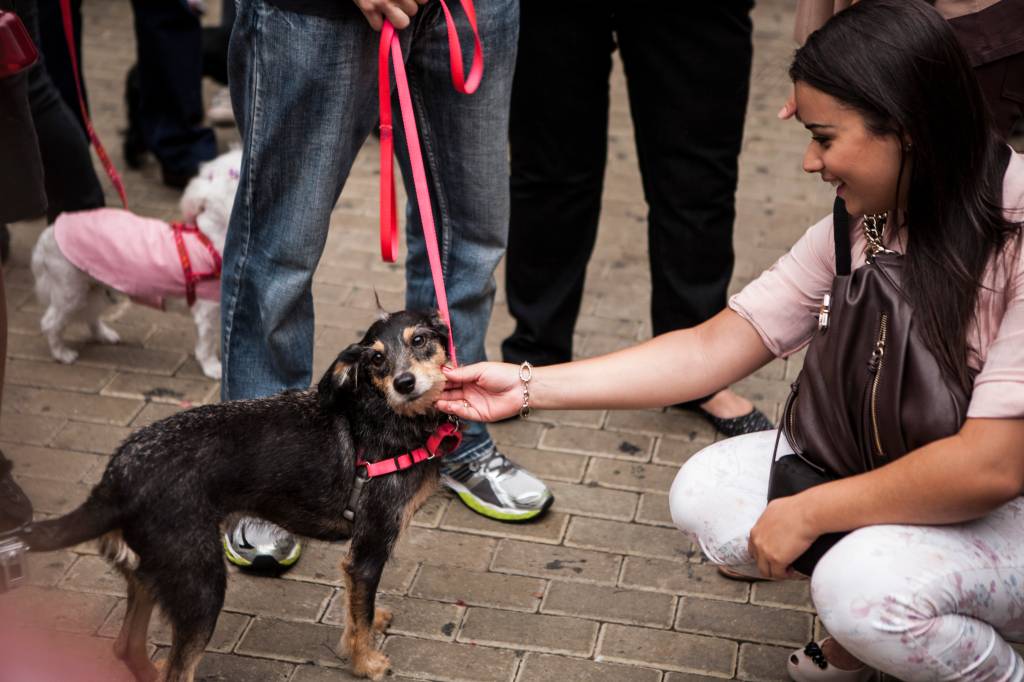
x=405, y=382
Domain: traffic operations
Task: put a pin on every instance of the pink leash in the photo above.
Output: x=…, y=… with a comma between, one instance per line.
x=389, y=43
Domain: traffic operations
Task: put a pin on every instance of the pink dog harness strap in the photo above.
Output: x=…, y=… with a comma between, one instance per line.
x=441, y=442
x=389, y=45
x=191, y=278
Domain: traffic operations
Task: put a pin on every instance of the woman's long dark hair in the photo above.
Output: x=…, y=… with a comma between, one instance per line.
x=898, y=63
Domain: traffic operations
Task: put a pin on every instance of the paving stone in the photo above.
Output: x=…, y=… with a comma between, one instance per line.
x=667, y=650
x=154, y=412
x=429, y=515
x=549, y=528
x=790, y=594
x=657, y=423
x=654, y=510
x=321, y=563
x=70, y=404
x=94, y=574
x=413, y=617
x=55, y=375
x=586, y=418
x=30, y=429
x=230, y=627
x=743, y=621
x=46, y=569
x=28, y=347
x=530, y=631
x=547, y=668
x=625, y=538
x=460, y=586
x=53, y=497
x=446, y=662
x=591, y=500
x=612, y=604
x=280, y=598
x=59, y=465
x=517, y=432
x=598, y=443
x=562, y=563
x=85, y=437
x=294, y=642
x=160, y=389
x=631, y=475
x=442, y=548
x=139, y=359
x=312, y=673
x=221, y=668
x=549, y=466
x=675, y=451
x=688, y=677
x=701, y=580
x=761, y=663
x=57, y=609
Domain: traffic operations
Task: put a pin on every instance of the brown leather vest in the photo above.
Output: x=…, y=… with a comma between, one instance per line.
x=870, y=390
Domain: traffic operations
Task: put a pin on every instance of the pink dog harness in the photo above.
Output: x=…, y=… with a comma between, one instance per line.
x=145, y=258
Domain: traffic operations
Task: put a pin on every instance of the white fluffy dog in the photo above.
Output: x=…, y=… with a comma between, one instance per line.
x=78, y=293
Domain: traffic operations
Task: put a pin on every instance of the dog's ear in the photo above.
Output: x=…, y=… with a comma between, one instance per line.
x=382, y=314
x=440, y=327
x=341, y=378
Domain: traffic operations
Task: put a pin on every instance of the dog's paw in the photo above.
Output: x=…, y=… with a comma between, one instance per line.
x=64, y=355
x=372, y=664
x=211, y=368
x=104, y=333
x=382, y=619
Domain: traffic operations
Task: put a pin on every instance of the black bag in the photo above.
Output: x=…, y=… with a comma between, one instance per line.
x=870, y=391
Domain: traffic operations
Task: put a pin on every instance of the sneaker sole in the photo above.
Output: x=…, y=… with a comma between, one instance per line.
x=242, y=562
x=492, y=511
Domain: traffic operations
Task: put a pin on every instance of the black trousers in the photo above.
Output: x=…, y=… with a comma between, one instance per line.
x=70, y=179
x=687, y=69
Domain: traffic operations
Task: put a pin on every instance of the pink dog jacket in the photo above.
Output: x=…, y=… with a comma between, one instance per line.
x=138, y=256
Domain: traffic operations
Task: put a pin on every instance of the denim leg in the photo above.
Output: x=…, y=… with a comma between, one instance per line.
x=305, y=91
x=465, y=147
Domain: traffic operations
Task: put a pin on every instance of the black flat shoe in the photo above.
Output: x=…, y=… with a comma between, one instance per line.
x=751, y=422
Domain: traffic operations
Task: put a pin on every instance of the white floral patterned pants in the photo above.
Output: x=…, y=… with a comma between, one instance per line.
x=916, y=602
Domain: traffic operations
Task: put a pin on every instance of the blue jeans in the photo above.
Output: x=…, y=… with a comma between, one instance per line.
x=305, y=91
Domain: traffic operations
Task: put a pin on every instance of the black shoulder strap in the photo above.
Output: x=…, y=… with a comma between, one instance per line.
x=841, y=230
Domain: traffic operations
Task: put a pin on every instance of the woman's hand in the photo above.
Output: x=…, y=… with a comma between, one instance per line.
x=782, y=534
x=400, y=12
x=484, y=392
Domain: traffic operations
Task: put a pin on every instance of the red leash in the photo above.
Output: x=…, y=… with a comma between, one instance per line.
x=108, y=165
x=441, y=442
x=389, y=44
x=193, y=278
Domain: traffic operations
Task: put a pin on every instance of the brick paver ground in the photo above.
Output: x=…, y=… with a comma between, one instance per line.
x=603, y=588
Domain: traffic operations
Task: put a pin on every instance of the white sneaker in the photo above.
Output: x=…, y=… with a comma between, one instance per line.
x=220, y=112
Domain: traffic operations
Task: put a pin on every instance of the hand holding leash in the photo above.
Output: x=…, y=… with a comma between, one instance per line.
x=398, y=12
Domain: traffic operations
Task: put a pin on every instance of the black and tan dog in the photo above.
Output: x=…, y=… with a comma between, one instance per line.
x=290, y=459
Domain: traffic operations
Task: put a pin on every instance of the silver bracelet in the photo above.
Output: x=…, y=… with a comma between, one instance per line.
x=525, y=374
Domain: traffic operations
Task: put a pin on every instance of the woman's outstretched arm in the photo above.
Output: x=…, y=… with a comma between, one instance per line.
x=671, y=368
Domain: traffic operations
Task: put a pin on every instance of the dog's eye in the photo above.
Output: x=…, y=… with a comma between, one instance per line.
x=418, y=341
x=377, y=359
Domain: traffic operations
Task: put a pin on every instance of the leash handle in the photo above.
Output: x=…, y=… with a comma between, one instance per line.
x=108, y=165
x=390, y=54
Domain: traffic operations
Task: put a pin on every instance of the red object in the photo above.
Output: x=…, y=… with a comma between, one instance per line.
x=108, y=165
x=447, y=435
x=17, y=51
x=192, y=278
x=389, y=45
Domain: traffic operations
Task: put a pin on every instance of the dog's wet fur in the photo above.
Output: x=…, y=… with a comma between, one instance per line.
x=290, y=459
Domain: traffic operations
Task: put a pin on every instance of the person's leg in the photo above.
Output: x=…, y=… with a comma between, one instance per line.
x=300, y=85
x=168, y=38
x=53, y=45
x=70, y=178
x=719, y=494
x=464, y=141
x=929, y=602
x=558, y=136
x=688, y=74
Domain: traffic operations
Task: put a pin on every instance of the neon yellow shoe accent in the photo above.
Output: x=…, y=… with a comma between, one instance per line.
x=234, y=558
x=492, y=512
x=293, y=556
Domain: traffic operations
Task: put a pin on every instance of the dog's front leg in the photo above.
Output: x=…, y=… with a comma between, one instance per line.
x=362, y=569
x=206, y=315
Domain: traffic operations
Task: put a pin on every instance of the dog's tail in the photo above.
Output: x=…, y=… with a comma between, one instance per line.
x=40, y=273
x=96, y=516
